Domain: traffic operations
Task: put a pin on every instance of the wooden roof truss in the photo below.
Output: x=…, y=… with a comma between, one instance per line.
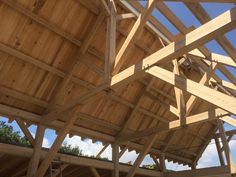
x=177, y=96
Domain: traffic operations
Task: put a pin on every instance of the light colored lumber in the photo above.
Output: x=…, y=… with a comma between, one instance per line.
x=179, y=95
x=61, y=90
x=204, y=172
x=227, y=151
x=231, y=121
x=110, y=41
x=204, y=81
x=135, y=31
x=215, y=97
x=192, y=40
x=174, y=125
x=216, y=58
x=26, y=131
x=142, y=155
x=82, y=161
x=71, y=118
x=125, y=16
x=34, y=161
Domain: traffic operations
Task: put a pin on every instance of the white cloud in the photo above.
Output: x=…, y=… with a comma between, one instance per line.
x=87, y=146
x=209, y=157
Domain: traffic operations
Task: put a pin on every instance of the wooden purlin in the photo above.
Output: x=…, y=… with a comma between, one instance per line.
x=106, y=137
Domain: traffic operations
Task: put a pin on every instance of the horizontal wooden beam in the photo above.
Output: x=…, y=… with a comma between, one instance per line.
x=216, y=58
x=229, y=120
x=125, y=16
x=212, y=96
x=206, y=172
x=174, y=125
x=192, y=40
x=82, y=161
x=8, y=111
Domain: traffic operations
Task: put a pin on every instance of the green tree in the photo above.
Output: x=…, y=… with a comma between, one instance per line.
x=8, y=135
x=68, y=149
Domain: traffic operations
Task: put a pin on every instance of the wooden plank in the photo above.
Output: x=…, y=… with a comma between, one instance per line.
x=35, y=119
x=110, y=41
x=228, y=155
x=34, y=161
x=175, y=125
x=125, y=16
x=162, y=162
x=61, y=91
x=82, y=161
x=215, y=97
x=179, y=95
x=142, y=155
x=102, y=150
x=213, y=171
x=192, y=40
x=203, y=17
x=216, y=58
x=220, y=155
x=115, y=159
x=204, y=81
x=229, y=120
x=26, y=131
x=135, y=31
x=71, y=118
x=41, y=21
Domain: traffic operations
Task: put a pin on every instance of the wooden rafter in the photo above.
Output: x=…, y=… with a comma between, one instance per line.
x=194, y=39
x=142, y=155
x=203, y=17
x=135, y=31
x=217, y=98
x=174, y=125
x=61, y=91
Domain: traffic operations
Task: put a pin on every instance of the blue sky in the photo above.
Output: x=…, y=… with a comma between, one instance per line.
x=181, y=11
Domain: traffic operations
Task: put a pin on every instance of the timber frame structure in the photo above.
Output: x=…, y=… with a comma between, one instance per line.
x=110, y=71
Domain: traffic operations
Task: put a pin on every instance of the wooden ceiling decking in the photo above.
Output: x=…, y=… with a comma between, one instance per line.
x=54, y=58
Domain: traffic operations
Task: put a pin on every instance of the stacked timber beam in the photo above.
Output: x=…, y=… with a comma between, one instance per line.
x=141, y=89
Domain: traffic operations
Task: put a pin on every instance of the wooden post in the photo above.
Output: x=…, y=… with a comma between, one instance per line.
x=227, y=152
x=179, y=97
x=34, y=161
x=71, y=118
x=162, y=162
x=218, y=148
x=115, y=159
x=142, y=155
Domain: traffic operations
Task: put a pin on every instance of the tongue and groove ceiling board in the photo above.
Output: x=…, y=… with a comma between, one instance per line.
x=107, y=61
